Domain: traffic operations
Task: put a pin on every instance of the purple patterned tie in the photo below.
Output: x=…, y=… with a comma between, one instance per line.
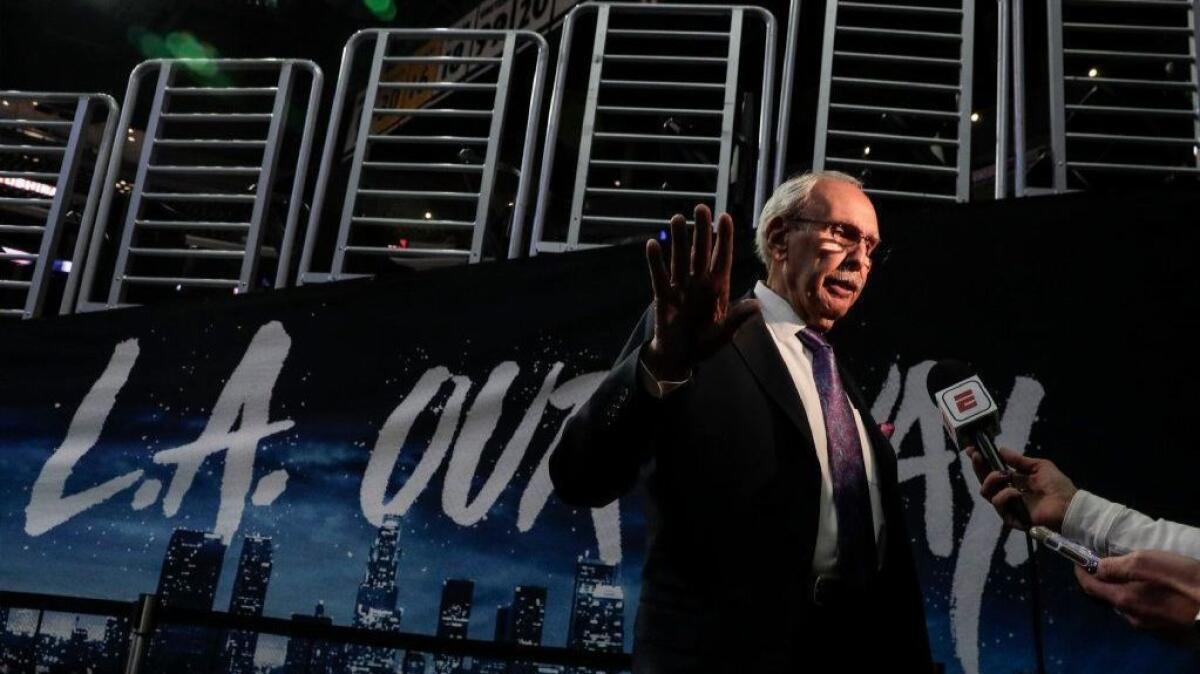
x=851, y=497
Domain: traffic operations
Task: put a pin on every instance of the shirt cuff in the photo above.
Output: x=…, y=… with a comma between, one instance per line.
x=656, y=388
x=1089, y=519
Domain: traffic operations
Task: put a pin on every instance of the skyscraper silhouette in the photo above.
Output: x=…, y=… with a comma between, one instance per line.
x=454, y=618
x=190, y=571
x=528, y=618
x=528, y=614
x=116, y=646
x=249, y=595
x=375, y=605
x=597, y=609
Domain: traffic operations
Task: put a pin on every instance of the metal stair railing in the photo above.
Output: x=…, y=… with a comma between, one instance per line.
x=43, y=141
x=429, y=117
x=205, y=176
x=1124, y=89
x=658, y=126
x=902, y=120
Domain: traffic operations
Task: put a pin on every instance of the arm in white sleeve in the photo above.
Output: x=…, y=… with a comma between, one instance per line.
x=1112, y=529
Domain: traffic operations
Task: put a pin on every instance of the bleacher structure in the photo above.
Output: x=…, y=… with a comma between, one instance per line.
x=1124, y=90
x=422, y=164
x=433, y=111
x=899, y=119
x=53, y=149
x=202, y=206
x=660, y=121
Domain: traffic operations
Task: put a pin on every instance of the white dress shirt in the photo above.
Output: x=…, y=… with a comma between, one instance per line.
x=783, y=323
x=1112, y=529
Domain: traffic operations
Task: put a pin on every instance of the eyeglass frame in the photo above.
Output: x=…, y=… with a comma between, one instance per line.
x=877, y=252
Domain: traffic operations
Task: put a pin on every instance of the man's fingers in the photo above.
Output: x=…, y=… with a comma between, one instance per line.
x=1116, y=569
x=723, y=253
x=1003, y=500
x=1019, y=461
x=1088, y=583
x=977, y=462
x=701, y=240
x=659, y=281
x=1113, y=593
x=993, y=483
x=679, y=248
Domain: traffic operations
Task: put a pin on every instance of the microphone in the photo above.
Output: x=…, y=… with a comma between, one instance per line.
x=970, y=417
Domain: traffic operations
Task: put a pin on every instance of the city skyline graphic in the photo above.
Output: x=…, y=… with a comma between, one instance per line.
x=190, y=574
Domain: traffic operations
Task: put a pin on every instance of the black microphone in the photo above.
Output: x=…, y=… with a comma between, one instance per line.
x=970, y=417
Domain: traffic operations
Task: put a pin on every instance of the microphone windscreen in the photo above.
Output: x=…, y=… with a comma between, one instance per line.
x=946, y=373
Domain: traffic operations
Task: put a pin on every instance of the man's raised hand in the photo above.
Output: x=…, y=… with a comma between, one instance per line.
x=692, y=314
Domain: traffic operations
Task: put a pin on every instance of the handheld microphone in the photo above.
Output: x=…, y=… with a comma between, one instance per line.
x=969, y=415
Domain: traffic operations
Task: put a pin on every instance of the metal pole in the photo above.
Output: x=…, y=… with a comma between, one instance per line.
x=1002, y=55
x=785, y=92
x=535, y=111
x=1058, y=111
x=552, y=120
x=1194, y=22
x=145, y=616
x=88, y=219
x=1018, y=89
x=764, y=117
x=823, y=84
x=966, y=83
x=284, y=269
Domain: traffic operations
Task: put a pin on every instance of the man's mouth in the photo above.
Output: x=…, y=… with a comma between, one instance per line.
x=841, y=287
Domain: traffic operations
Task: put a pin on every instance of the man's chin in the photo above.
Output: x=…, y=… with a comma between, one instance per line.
x=832, y=311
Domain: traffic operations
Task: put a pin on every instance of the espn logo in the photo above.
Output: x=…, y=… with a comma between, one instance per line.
x=965, y=402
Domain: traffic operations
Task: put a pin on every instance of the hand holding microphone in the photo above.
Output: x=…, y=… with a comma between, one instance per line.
x=1044, y=489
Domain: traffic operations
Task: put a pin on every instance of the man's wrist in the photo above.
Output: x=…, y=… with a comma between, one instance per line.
x=656, y=386
x=1061, y=516
x=661, y=366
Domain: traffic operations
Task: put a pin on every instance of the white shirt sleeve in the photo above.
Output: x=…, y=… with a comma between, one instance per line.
x=1112, y=529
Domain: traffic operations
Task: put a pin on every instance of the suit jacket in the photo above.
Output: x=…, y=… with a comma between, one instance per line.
x=732, y=486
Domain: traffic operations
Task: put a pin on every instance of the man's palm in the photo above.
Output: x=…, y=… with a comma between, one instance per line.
x=692, y=315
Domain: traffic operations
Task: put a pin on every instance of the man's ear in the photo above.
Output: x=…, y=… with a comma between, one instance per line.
x=776, y=237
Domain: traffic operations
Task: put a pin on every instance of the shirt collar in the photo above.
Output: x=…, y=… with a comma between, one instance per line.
x=776, y=311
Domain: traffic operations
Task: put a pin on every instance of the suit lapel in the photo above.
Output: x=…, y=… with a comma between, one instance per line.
x=754, y=344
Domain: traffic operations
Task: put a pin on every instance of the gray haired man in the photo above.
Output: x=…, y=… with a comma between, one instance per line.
x=776, y=539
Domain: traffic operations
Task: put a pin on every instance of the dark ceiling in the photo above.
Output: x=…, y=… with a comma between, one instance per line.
x=93, y=44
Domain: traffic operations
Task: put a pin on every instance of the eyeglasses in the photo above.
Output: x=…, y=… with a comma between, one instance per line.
x=850, y=237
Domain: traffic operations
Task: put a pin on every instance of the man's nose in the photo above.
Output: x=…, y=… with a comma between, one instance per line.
x=856, y=258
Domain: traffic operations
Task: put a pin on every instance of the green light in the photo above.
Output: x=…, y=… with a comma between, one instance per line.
x=382, y=9
x=184, y=45
x=153, y=46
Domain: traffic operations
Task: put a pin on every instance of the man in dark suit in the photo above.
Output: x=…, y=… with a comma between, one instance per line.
x=776, y=537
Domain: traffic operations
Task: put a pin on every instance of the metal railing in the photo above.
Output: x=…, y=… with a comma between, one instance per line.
x=43, y=141
x=148, y=616
x=1124, y=88
x=667, y=141
x=901, y=120
x=426, y=111
x=207, y=165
